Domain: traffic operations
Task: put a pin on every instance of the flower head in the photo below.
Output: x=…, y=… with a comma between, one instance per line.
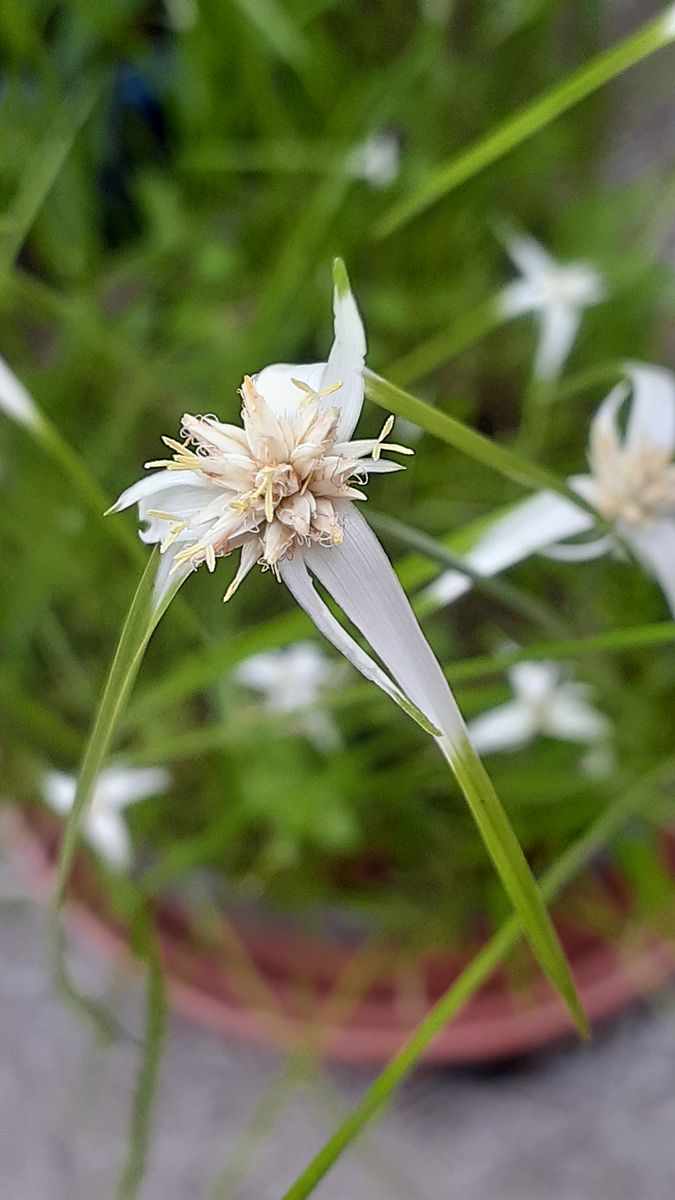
x=277, y=485
x=557, y=293
x=293, y=680
x=631, y=484
x=544, y=703
x=281, y=489
x=116, y=788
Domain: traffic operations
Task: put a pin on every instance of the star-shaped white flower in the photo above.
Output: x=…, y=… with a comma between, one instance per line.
x=293, y=680
x=544, y=703
x=557, y=293
x=281, y=490
x=632, y=485
x=116, y=788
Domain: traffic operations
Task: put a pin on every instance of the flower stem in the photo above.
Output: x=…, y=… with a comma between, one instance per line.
x=533, y=117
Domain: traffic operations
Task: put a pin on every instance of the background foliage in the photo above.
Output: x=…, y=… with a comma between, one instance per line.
x=175, y=182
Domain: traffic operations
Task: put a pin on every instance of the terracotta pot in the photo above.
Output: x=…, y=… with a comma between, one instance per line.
x=269, y=985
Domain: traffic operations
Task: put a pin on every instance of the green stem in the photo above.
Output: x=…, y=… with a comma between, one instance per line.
x=471, y=979
x=138, y=628
x=527, y=121
x=148, y=1075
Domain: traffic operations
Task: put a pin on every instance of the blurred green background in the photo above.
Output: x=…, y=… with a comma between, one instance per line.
x=175, y=181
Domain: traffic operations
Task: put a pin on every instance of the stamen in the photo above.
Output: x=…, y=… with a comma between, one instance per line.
x=311, y=395
x=381, y=444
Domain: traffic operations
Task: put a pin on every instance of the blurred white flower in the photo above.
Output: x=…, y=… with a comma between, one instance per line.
x=632, y=485
x=181, y=14
x=15, y=401
x=280, y=489
x=377, y=160
x=557, y=293
x=116, y=788
x=544, y=703
x=599, y=761
x=293, y=680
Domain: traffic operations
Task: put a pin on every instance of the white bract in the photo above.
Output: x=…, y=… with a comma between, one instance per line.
x=631, y=485
x=281, y=490
x=116, y=788
x=293, y=681
x=557, y=293
x=544, y=703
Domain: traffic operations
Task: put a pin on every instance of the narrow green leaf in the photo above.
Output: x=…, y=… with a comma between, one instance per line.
x=513, y=870
x=138, y=628
x=276, y=27
x=471, y=979
x=467, y=329
x=104, y=1023
x=36, y=719
x=530, y=119
x=468, y=441
x=42, y=170
x=151, y=1058
x=614, y=642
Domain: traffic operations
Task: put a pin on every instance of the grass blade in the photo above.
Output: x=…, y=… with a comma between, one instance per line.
x=532, y=118
x=137, y=630
x=471, y=979
x=468, y=441
x=513, y=869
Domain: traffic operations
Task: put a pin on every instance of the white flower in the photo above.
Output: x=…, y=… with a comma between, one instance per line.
x=632, y=485
x=15, y=401
x=292, y=681
x=544, y=703
x=116, y=788
x=281, y=489
x=557, y=293
x=377, y=160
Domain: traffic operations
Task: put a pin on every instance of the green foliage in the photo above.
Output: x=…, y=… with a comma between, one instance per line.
x=175, y=183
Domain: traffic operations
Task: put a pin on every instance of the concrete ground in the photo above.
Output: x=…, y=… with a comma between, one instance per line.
x=587, y=1123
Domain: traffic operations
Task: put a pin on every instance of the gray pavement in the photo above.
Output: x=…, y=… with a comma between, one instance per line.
x=585, y=1123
